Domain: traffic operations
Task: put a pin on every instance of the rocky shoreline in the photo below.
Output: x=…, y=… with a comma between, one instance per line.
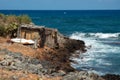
x=18, y=62
x=47, y=59
x=15, y=61
x=50, y=59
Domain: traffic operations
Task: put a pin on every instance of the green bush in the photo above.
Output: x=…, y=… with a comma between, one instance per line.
x=2, y=18
x=11, y=19
x=10, y=23
x=2, y=31
x=24, y=19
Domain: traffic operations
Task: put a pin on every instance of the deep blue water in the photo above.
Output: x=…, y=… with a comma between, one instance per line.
x=98, y=28
x=72, y=21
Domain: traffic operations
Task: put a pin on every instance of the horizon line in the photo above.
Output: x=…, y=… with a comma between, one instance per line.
x=61, y=9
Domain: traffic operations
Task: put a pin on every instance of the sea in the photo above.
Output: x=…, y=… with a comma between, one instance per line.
x=99, y=29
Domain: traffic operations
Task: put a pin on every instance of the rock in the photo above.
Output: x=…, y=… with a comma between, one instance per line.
x=83, y=75
x=34, y=61
x=61, y=73
x=16, y=61
x=14, y=78
x=4, y=63
x=44, y=71
x=50, y=38
x=17, y=55
x=111, y=77
x=74, y=45
x=13, y=68
x=56, y=51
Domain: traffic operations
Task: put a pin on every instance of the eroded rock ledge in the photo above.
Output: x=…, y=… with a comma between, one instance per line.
x=59, y=47
x=49, y=56
x=49, y=45
x=50, y=38
x=24, y=65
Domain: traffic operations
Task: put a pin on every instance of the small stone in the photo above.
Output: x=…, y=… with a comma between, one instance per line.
x=61, y=72
x=39, y=65
x=4, y=63
x=15, y=77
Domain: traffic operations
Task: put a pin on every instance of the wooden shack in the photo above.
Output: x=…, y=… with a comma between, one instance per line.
x=41, y=35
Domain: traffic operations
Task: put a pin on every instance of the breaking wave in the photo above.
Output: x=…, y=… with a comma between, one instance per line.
x=97, y=35
x=100, y=58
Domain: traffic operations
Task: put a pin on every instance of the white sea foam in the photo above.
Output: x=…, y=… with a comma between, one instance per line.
x=96, y=55
x=97, y=46
x=98, y=35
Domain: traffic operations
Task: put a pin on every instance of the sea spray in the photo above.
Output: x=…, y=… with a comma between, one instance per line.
x=100, y=57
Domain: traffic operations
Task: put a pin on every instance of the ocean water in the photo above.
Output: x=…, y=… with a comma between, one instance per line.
x=100, y=29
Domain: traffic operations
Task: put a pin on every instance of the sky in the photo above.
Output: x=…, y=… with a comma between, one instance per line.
x=59, y=4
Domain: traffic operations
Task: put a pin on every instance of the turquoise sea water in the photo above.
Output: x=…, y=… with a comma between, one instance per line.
x=98, y=28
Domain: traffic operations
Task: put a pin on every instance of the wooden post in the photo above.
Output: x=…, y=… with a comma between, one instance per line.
x=18, y=32
x=35, y=44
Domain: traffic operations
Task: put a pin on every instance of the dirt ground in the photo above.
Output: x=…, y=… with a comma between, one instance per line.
x=27, y=51
x=22, y=75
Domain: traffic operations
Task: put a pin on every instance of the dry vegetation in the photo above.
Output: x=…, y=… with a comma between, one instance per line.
x=10, y=23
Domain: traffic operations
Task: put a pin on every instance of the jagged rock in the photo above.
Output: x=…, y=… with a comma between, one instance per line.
x=50, y=38
x=42, y=67
x=111, y=77
x=14, y=61
x=61, y=72
x=63, y=47
x=82, y=75
x=56, y=58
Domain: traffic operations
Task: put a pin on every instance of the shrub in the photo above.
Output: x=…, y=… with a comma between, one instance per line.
x=2, y=30
x=2, y=18
x=10, y=23
x=11, y=19
x=24, y=19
